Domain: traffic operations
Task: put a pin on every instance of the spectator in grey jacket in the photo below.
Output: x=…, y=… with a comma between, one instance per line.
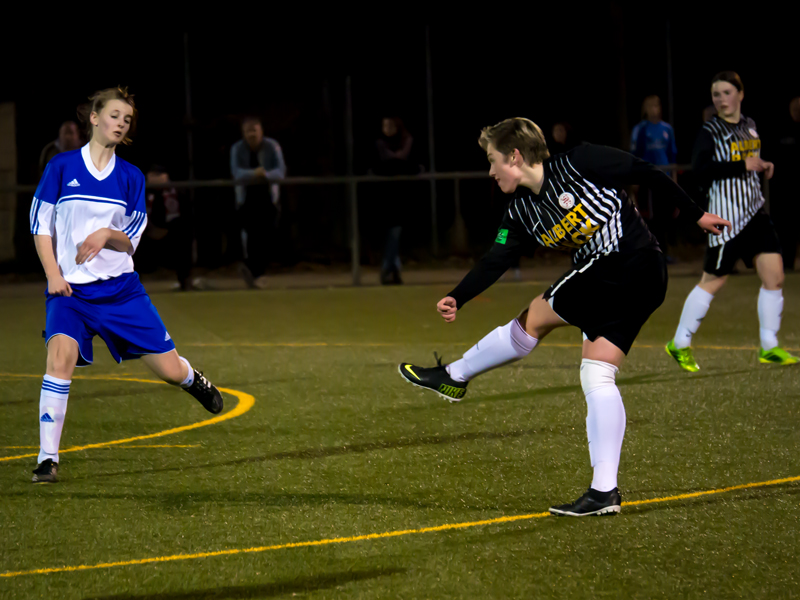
x=256, y=161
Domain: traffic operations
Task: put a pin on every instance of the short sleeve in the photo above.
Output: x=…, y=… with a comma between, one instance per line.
x=43, y=207
x=135, y=222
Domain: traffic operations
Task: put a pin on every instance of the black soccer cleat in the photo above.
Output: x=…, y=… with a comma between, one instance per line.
x=435, y=378
x=206, y=393
x=46, y=472
x=591, y=503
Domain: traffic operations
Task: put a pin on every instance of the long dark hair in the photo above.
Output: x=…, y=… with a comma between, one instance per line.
x=731, y=77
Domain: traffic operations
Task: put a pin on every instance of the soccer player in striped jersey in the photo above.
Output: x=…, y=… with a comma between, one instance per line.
x=87, y=218
x=572, y=201
x=727, y=154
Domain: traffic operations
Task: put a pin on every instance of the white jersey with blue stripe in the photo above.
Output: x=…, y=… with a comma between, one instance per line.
x=74, y=200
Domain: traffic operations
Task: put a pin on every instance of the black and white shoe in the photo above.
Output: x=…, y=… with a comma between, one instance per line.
x=436, y=379
x=46, y=472
x=206, y=393
x=591, y=503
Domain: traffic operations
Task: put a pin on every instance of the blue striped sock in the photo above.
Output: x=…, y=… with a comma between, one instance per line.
x=52, y=409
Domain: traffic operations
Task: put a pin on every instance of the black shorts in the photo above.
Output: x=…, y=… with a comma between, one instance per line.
x=757, y=237
x=611, y=295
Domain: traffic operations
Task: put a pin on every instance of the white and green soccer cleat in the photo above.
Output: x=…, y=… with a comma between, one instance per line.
x=777, y=356
x=683, y=356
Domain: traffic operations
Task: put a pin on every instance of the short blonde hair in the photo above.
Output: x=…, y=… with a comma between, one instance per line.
x=517, y=133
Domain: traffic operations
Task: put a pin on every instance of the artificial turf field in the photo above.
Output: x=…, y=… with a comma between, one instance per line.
x=327, y=442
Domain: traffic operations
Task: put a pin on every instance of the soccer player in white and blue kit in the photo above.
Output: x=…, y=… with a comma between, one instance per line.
x=87, y=218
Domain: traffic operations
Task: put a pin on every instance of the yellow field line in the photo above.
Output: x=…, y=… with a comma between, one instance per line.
x=374, y=536
x=245, y=403
x=386, y=344
x=141, y=446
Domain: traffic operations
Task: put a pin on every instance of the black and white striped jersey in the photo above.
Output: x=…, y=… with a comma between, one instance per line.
x=581, y=207
x=734, y=193
x=577, y=209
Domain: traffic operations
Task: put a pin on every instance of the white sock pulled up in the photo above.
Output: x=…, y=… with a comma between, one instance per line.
x=605, y=421
x=505, y=344
x=52, y=411
x=694, y=311
x=190, y=377
x=770, y=309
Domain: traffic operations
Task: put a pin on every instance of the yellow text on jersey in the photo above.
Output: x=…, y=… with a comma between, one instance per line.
x=572, y=231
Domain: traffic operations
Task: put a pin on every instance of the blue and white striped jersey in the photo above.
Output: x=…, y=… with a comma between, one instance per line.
x=74, y=200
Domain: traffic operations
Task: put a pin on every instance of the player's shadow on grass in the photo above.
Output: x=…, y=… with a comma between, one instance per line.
x=326, y=452
x=264, y=590
x=644, y=379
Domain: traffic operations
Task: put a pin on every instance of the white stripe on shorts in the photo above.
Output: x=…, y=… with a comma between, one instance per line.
x=719, y=258
x=581, y=270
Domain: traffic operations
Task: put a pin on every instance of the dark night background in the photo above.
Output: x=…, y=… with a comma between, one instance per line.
x=591, y=67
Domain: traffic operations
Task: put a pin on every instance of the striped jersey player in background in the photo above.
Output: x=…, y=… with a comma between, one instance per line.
x=727, y=155
x=572, y=201
x=87, y=218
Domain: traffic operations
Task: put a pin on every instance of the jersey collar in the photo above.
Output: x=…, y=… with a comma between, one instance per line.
x=99, y=175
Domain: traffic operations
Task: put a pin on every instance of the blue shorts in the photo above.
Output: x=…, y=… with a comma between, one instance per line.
x=118, y=310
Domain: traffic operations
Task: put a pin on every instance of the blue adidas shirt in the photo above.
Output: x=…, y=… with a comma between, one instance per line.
x=654, y=142
x=74, y=200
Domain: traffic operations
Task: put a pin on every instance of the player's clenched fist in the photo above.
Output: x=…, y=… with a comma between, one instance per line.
x=447, y=308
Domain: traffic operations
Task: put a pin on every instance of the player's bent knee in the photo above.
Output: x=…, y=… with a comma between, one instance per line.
x=62, y=356
x=712, y=284
x=596, y=374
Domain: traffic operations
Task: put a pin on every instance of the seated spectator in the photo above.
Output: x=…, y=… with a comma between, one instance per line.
x=167, y=239
x=256, y=160
x=69, y=138
x=393, y=146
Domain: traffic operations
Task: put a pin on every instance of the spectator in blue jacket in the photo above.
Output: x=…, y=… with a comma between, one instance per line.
x=654, y=141
x=256, y=161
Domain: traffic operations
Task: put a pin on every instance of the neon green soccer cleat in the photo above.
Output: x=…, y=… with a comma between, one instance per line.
x=683, y=356
x=777, y=356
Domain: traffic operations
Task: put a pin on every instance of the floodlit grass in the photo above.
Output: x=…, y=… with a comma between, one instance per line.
x=338, y=445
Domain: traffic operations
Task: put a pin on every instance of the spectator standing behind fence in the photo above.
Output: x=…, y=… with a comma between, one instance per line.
x=561, y=138
x=167, y=240
x=256, y=159
x=69, y=138
x=654, y=141
x=393, y=148
x=784, y=197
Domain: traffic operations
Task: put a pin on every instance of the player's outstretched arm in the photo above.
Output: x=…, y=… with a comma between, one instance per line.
x=713, y=224
x=447, y=307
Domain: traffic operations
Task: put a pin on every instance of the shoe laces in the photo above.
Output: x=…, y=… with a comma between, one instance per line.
x=438, y=358
x=204, y=383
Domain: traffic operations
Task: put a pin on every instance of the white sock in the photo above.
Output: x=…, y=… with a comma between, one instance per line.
x=52, y=409
x=190, y=377
x=770, y=308
x=505, y=344
x=694, y=310
x=605, y=421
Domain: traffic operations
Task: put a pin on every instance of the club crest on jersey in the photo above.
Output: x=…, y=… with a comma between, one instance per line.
x=566, y=200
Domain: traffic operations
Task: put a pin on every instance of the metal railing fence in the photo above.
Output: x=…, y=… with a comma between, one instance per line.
x=352, y=182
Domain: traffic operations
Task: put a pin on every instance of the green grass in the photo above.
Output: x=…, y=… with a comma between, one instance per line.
x=337, y=445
